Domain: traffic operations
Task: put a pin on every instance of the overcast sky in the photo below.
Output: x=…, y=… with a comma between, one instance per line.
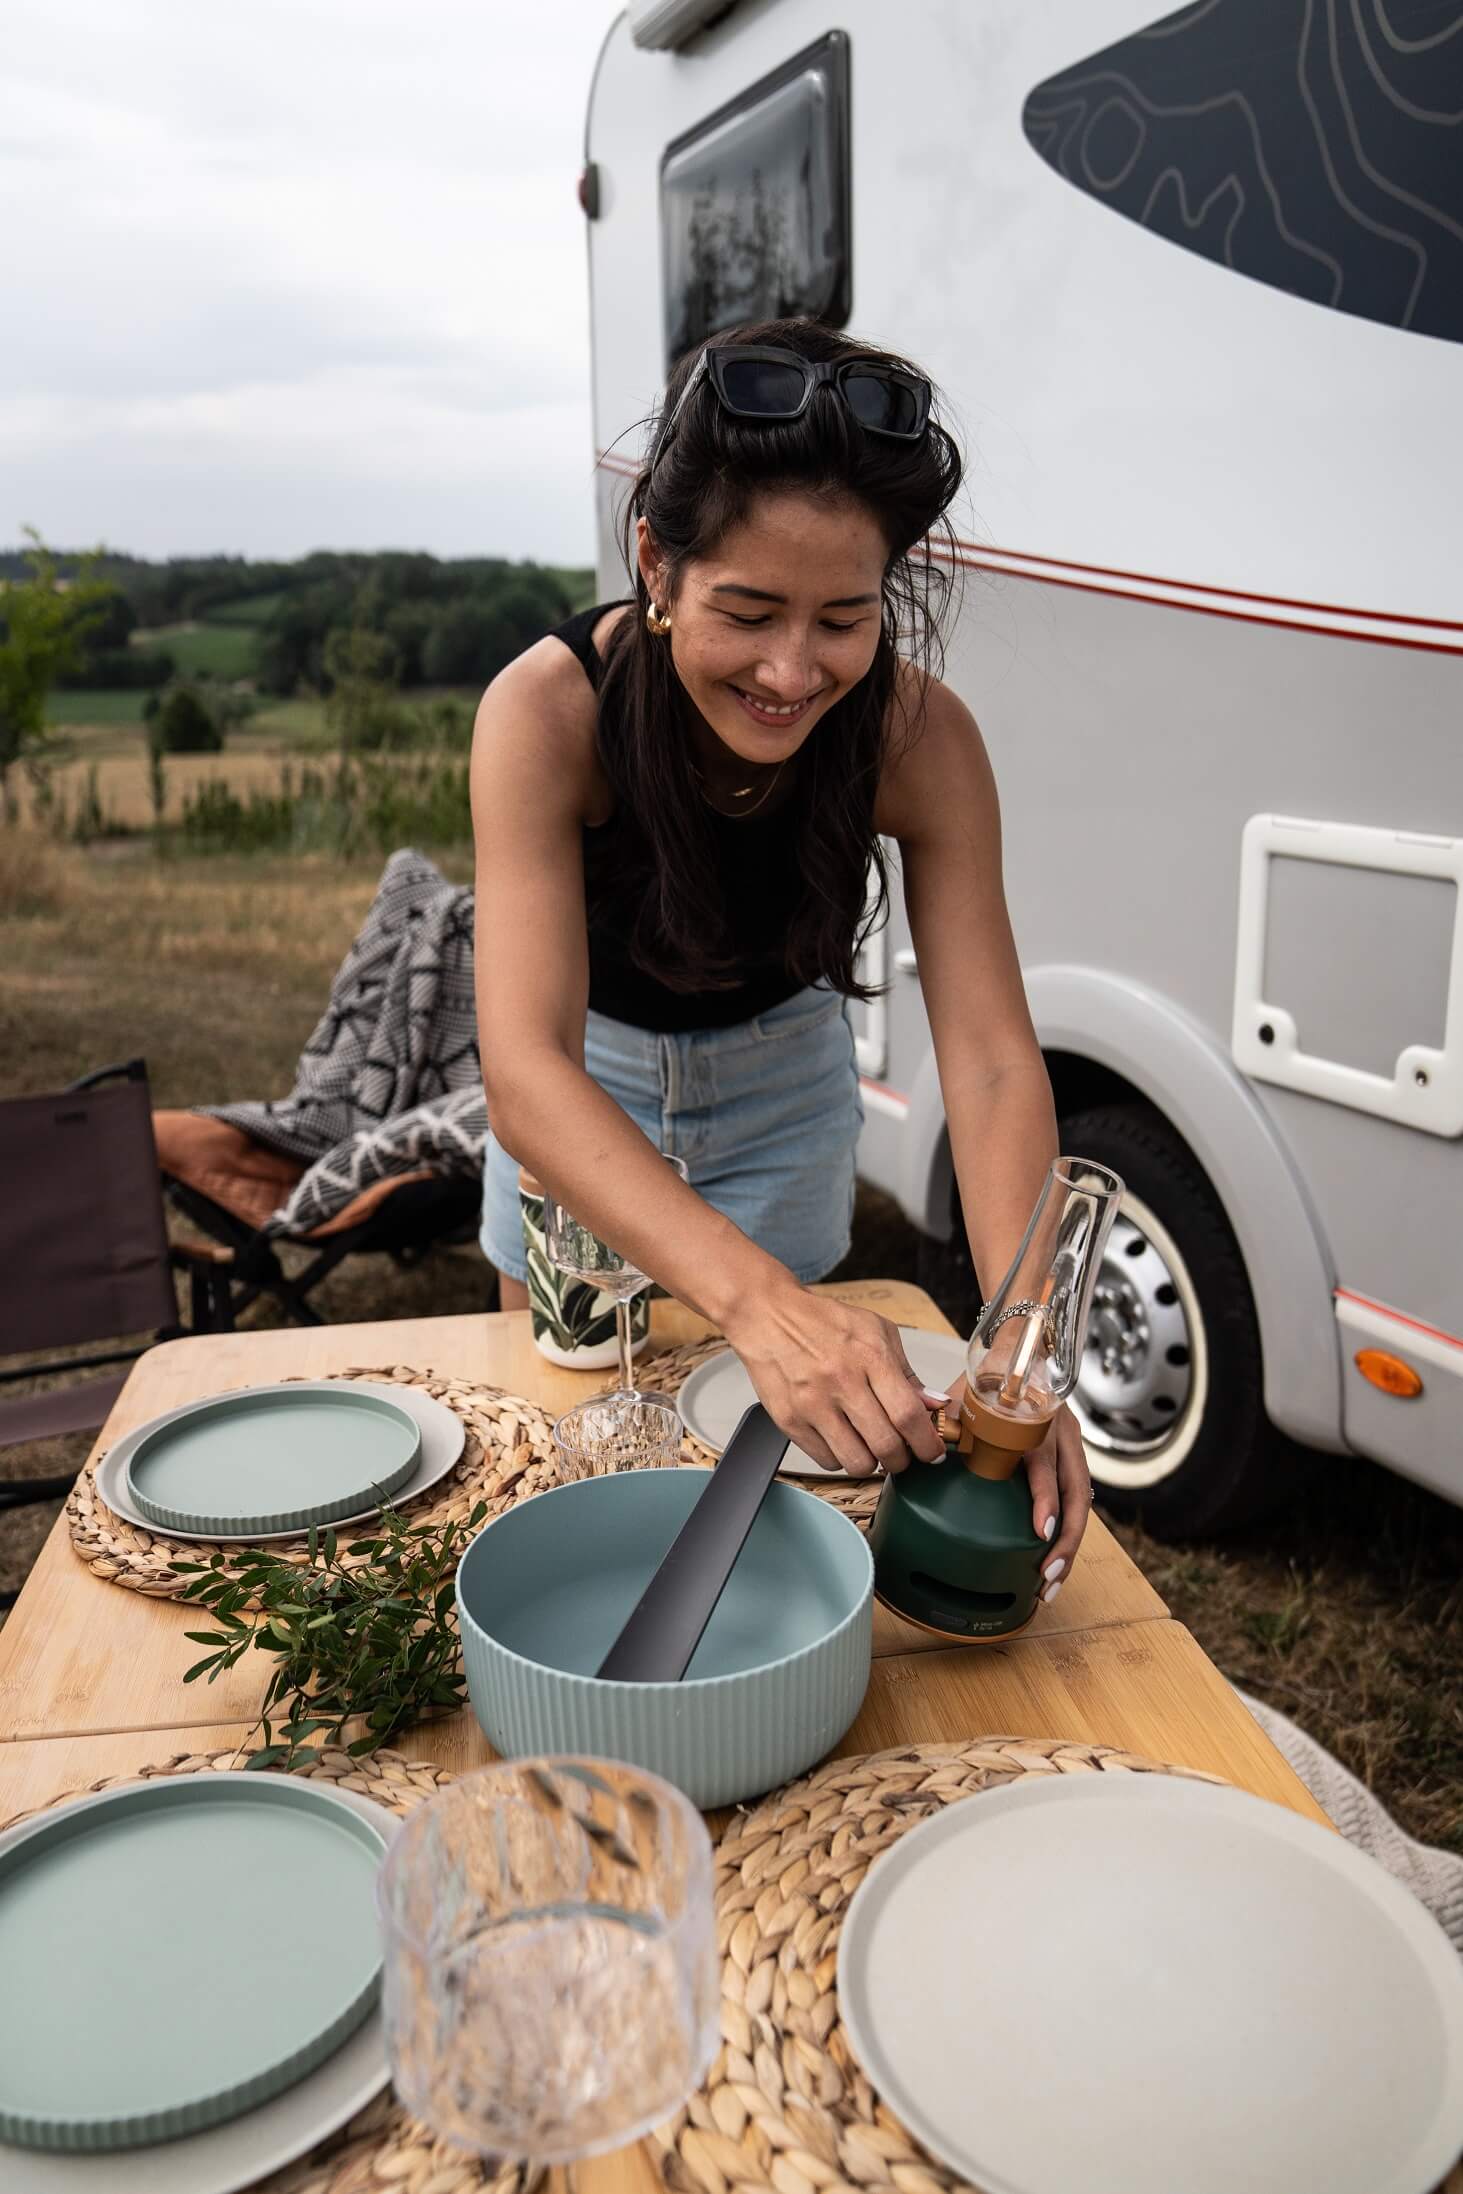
x=288, y=274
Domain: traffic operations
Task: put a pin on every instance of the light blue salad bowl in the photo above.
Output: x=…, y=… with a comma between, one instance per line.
x=543, y=1592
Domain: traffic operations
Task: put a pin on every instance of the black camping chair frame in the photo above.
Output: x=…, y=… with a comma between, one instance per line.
x=414, y=1219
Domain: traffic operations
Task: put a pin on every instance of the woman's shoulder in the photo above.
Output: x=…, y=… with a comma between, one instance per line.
x=537, y=720
x=935, y=754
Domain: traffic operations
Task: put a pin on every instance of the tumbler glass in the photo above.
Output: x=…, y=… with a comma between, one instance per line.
x=617, y=1432
x=551, y=1984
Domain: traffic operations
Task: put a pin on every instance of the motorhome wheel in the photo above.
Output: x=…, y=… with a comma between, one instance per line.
x=1170, y=1396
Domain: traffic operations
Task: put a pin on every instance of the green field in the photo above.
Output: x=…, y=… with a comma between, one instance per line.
x=211, y=651
x=94, y=708
x=250, y=609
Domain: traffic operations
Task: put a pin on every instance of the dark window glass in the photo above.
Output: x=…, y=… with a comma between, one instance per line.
x=1316, y=149
x=754, y=204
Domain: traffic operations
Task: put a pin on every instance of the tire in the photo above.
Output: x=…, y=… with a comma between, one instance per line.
x=1170, y=1398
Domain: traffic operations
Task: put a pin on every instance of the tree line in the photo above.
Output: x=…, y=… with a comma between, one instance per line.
x=439, y=621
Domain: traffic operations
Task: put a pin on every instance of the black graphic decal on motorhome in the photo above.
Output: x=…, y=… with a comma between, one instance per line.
x=1315, y=145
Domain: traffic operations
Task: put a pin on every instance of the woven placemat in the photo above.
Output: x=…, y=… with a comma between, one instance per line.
x=508, y=1454
x=786, y=2107
x=668, y=1372
x=382, y=2150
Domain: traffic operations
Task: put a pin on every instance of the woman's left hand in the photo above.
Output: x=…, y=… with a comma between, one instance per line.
x=1060, y=1481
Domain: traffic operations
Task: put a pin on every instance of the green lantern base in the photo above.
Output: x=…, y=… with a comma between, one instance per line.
x=956, y=1553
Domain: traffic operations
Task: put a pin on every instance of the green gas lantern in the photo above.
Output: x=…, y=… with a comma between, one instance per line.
x=953, y=1544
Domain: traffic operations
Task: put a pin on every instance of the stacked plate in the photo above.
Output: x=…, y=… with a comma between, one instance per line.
x=712, y=1400
x=268, y=1462
x=191, y=1975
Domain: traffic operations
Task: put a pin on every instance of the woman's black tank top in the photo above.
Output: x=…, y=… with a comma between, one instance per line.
x=757, y=861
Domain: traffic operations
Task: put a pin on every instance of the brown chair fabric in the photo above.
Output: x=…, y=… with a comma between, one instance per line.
x=224, y=1164
x=249, y=1181
x=83, y=1243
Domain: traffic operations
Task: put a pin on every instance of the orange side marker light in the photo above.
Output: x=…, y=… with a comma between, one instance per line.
x=1389, y=1373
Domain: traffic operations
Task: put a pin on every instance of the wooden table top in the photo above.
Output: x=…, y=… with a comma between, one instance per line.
x=90, y=1673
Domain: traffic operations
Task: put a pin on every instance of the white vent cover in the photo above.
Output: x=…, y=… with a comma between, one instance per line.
x=659, y=24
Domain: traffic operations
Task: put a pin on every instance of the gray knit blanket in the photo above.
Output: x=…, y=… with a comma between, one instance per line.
x=390, y=1082
x=1434, y=1877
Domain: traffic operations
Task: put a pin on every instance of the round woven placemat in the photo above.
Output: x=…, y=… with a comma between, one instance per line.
x=668, y=1372
x=508, y=1454
x=787, y=2107
x=382, y=2150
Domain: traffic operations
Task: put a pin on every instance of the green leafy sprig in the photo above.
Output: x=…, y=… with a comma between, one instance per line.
x=373, y=1635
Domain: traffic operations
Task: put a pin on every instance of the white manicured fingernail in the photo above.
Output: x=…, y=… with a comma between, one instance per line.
x=935, y=1400
x=1049, y=1527
x=1050, y=1593
x=1054, y=1569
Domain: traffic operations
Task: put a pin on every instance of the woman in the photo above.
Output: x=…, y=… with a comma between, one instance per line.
x=676, y=803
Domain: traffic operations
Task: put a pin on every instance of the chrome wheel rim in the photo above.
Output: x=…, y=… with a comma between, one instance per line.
x=1140, y=1394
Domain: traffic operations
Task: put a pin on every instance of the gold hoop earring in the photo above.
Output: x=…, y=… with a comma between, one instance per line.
x=658, y=624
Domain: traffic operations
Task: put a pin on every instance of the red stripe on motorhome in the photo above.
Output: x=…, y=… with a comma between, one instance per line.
x=1398, y=1317
x=1141, y=587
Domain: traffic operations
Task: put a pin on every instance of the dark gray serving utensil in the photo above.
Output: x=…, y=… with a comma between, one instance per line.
x=664, y=1630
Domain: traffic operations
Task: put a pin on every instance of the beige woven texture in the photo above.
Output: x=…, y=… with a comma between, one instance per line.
x=508, y=1454
x=786, y=2106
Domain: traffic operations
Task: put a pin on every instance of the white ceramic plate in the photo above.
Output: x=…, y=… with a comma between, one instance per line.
x=243, y=2150
x=443, y=1437
x=1132, y=1984
x=714, y=1397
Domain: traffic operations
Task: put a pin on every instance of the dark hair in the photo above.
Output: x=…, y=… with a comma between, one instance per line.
x=712, y=469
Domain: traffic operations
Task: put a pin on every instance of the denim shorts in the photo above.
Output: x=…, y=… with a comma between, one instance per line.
x=766, y=1115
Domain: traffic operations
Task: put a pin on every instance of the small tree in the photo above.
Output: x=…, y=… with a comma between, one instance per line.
x=45, y=621
x=361, y=708
x=184, y=725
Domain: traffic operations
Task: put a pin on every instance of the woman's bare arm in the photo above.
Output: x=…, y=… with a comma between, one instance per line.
x=939, y=800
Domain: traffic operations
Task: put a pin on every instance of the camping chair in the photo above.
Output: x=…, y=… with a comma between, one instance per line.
x=226, y=1184
x=83, y=1254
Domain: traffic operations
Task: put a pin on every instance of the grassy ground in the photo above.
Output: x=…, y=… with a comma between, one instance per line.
x=1344, y=1609
x=204, y=650
x=78, y=711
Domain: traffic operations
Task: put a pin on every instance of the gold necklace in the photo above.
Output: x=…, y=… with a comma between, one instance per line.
x=740, y=792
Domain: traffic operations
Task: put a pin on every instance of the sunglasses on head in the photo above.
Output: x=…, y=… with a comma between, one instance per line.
x=774, y=386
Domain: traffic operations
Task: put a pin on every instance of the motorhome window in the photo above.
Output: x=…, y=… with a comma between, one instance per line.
x=754, y=204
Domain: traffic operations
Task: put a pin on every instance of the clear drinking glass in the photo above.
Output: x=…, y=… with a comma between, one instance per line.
x=551, y=1984
x=574, y=1249
x=617, y=1432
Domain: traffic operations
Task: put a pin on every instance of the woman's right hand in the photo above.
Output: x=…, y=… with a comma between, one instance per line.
x=836, y=1379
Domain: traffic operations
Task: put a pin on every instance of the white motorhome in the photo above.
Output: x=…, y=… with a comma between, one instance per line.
x=1193, y=288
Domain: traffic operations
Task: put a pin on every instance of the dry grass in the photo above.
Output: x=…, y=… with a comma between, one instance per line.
x=35, y=878
x=124, y=782
x=1345, y=1609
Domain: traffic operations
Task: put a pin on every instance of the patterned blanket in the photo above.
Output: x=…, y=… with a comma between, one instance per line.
x=390, y=1081
x=1435, y=1877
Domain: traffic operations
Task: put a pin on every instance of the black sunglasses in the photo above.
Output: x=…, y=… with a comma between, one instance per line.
x=775, y=386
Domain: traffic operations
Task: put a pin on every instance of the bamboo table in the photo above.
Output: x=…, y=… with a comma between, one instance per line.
x=90, y=1674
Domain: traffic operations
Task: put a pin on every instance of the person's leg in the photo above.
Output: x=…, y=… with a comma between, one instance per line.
x=512, y=1294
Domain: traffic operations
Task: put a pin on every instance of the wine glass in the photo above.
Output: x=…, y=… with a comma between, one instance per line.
x=551, y=1986
x=574, y=1249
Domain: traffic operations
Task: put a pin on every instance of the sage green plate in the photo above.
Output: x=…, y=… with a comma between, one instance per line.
x=273, y=1458
x=176, y=1952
